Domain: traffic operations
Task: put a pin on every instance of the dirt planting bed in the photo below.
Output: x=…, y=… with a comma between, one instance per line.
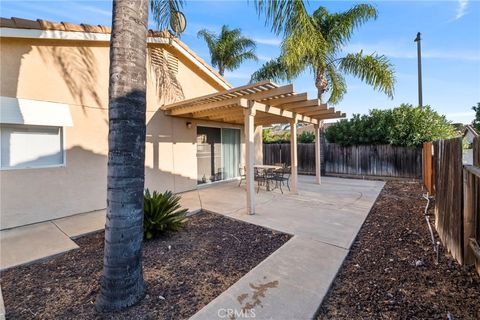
x=391, y=271
x=183, y=272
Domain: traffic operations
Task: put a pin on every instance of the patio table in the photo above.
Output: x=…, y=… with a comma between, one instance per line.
x=267, y=167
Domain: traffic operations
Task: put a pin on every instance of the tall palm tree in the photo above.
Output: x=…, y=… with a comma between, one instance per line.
x=122, y=283
x=229, y=49
x=320, y=50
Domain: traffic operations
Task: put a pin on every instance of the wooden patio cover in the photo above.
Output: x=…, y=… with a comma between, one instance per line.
x=272, y=104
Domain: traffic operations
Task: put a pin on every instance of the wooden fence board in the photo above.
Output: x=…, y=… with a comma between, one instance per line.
x=449, y=195
x=427, y=171
x=365, y=160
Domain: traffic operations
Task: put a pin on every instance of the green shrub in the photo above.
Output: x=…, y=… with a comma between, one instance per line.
x=162, y=213
x=405, y=125
x=306, y=137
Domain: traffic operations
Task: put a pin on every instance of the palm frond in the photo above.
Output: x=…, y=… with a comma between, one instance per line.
x=283, y=15
x=337, y=28
x=337, y=84
x=274, y=70
x=163, y=10
x=212, y=42
x=375, y=70
x=229, y=48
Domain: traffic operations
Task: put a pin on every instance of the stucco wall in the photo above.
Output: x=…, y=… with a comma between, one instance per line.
x=76, y=73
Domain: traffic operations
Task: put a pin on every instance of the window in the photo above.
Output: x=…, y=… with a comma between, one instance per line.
x=31, y=146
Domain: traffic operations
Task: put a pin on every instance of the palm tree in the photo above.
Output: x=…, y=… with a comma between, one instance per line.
x=122, y=283
x=320, y=50
x=229, y=49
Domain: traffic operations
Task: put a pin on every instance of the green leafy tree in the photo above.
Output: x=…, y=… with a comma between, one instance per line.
x=229, y=49
x=316, y=42
x=402, y=126
x=476, y=121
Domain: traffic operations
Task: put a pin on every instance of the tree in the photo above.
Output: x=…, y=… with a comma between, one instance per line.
x=229, y=49
x=122, y=283
x=402, y=126
x=315, y=42
x=476, y=121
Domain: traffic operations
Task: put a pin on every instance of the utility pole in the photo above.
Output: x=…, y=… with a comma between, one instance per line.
x=419, y=56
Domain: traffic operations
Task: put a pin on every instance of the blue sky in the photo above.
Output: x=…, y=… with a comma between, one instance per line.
x=450, y=32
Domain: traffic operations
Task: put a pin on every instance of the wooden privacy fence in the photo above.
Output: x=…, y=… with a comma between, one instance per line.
x=374, y=160
x=280, y=153
x=457, y=198
x=364, y=160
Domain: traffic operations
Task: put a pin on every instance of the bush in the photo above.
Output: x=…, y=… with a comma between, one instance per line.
x=162, y=213
x=269, y=136
x=402, y=126
x=306, y=137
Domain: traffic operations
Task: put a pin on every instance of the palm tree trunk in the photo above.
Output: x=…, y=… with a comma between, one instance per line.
x=321, y=83
x=122, y=282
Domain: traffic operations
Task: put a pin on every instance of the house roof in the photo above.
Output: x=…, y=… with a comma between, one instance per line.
x=45, y=25
x=273, y=104
x=469, y=128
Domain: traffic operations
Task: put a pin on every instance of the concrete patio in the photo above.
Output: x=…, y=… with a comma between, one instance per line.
x=289, y=284
x=292, y=282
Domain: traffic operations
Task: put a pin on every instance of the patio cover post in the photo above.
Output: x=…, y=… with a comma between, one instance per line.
x=293, y=154
x=249, y=129
x=317, y=153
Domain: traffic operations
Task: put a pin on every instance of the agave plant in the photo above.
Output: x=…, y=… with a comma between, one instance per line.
x=162, y=212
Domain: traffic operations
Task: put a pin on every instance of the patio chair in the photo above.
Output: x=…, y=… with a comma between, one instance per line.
x=260, y=175
x=282, y=176
x=242, y=172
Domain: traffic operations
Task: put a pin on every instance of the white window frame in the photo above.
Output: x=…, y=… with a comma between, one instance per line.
x=62, y=146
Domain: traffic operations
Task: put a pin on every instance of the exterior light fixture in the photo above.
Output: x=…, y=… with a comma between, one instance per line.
x=189, y=125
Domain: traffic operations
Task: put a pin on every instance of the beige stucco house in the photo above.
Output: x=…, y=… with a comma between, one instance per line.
x=54, y=120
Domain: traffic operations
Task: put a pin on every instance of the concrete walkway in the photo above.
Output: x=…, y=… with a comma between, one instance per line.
x=289, y=284
x=292, y=282
x=41, y=240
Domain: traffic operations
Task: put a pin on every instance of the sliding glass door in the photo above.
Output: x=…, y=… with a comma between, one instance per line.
x=218, y=154
x=230, y=152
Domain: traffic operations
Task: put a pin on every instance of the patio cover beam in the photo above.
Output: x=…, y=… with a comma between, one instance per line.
x=241, y=102
x=284, y=90
x=300, y=104
x=335, y=115
x=319, y=112
x=314, y=108
x=215, y=96
x=285, y=100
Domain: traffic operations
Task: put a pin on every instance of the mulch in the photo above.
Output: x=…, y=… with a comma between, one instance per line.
x=391, y=270
x=183, y=272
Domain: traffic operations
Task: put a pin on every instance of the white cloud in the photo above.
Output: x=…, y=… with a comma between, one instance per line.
x=461, y=9
x=268, y=41
x=460, y=114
